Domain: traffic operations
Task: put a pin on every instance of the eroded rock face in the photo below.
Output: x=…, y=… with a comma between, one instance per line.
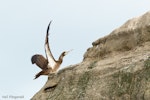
x=117, y=67
x=133, y=33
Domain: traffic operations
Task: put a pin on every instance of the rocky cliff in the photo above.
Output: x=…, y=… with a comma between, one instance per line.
x=117, y=67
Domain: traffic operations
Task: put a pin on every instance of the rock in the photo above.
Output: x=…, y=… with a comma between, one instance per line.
x=117, y=67
x=133, y=33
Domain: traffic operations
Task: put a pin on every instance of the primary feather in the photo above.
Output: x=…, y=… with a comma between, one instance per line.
x=51, y=60
x=40, y=61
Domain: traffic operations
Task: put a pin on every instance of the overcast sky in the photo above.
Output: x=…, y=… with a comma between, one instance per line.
x=76, y=24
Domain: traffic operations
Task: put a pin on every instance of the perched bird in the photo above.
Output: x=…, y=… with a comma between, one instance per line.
x=48, y=64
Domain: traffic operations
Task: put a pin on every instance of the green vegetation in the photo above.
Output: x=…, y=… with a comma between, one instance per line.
x=147, y=63
x=82, y=84
x=147, y=69
x=123, y=83
x=92, y=65
x=132, y=84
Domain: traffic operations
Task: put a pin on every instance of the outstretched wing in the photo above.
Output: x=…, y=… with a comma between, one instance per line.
x=40, y=61
x=49, y=55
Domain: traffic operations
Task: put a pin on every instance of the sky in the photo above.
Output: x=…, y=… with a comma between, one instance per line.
x=75, y=25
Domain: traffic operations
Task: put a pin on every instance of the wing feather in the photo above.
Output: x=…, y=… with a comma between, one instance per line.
x=49, y=55
x=40, y=61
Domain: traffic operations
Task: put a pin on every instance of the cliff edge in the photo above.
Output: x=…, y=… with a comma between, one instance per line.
x=117, y=67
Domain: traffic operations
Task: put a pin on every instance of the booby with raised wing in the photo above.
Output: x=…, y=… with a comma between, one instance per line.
x=48, y=64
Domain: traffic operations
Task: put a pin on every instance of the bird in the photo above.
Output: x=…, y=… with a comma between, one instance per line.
x=49, y=64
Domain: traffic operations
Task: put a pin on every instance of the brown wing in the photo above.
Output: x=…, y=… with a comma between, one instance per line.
x=49, y=55
x=40, y=61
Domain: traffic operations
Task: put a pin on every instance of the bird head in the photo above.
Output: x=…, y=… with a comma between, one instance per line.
x=66, y=52
x=62, y=55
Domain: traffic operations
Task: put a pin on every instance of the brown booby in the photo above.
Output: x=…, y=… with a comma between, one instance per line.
x=48, y=64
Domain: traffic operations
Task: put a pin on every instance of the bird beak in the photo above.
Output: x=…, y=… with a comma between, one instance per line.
x=68, y=51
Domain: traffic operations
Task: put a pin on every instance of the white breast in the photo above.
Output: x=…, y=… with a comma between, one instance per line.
x=52, y=65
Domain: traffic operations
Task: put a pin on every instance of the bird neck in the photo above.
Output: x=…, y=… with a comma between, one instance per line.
x=60, y=60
